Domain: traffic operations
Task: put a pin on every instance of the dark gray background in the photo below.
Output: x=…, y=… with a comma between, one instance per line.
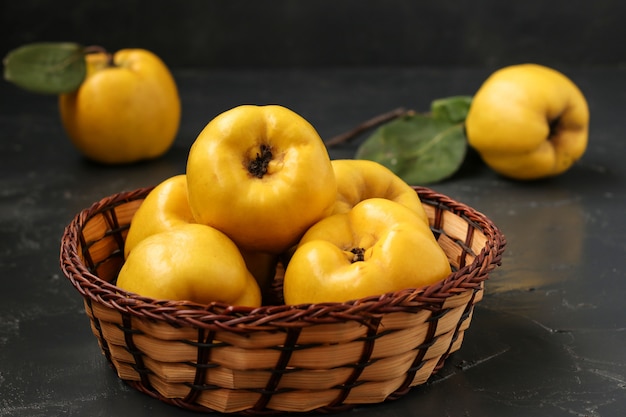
x=306, y=33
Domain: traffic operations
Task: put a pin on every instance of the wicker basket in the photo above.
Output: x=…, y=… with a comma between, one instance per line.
x=273, y=359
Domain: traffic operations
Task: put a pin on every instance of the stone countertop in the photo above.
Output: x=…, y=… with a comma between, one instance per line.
x=547, y=339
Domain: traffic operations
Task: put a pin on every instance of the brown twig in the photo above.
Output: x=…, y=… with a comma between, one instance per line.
x=368, y=124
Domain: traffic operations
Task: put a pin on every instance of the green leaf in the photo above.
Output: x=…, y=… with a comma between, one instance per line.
x=46, y=68
x=420, y=149
x=453, y=109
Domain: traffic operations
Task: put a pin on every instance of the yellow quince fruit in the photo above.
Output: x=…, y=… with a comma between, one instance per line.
x=528, y=122
x=262, y=175
x=190, y=262
x=164, y=208
x=126, y=110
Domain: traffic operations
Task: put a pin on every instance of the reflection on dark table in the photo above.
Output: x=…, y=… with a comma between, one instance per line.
x=547, y=340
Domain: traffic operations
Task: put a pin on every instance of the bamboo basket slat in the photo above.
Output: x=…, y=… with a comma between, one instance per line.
x=280, y=358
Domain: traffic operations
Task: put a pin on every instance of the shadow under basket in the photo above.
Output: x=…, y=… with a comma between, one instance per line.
x=282, y=358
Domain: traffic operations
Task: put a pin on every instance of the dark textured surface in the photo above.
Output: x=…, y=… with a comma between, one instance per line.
x=305, y=33
x=547, y=340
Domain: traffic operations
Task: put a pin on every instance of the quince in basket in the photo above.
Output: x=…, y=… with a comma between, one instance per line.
x=379, y=246
x=360, y=179
x=166, y=208
x=163, y=209
x=262, y=175
x=190, y=262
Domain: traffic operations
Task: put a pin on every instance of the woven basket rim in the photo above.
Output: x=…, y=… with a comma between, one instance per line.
x=239, y=318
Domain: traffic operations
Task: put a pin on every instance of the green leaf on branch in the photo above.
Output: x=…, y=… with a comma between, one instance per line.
x=421, y=148
x=47, y=67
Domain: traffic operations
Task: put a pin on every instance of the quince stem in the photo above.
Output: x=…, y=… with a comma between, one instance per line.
x=95, y=49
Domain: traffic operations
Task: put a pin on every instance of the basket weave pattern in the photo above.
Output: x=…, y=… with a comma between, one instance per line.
x=281, y=358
